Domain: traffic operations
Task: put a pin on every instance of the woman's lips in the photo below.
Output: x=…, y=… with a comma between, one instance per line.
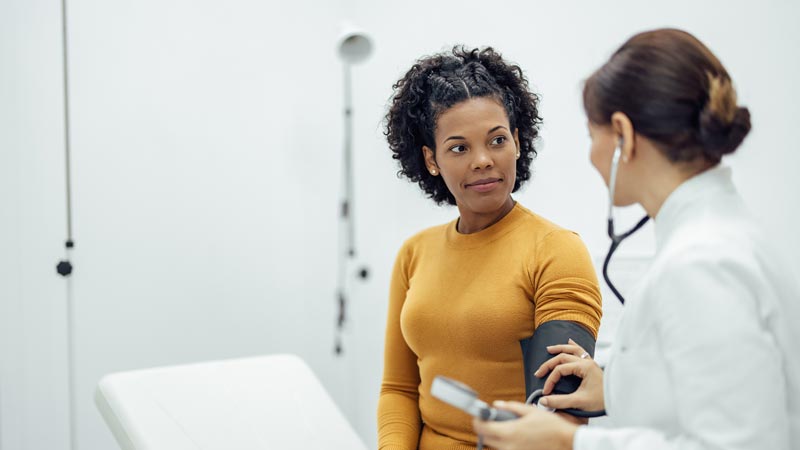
x=484, y=185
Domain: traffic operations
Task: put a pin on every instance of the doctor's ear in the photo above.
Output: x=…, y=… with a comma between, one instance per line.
x=623, y=127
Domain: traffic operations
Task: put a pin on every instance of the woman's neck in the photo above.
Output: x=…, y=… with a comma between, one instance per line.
x=471, y=222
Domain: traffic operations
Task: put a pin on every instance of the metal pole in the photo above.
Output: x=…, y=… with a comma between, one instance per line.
x=73, y=410
x=67, y=137
x=346, y=248
x=65, y=267
x=348, y=161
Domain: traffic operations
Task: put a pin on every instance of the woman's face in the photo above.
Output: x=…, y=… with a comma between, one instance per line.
x=476, y=154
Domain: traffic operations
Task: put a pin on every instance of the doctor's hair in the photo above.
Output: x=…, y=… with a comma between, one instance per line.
x=436, y=83
x=674, y=91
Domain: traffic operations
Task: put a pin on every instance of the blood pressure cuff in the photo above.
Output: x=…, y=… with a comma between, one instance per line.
x=534, y=353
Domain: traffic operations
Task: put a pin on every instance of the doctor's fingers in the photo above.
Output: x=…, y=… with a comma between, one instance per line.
x=552, y=363
x=529, y=432
x=498, y=430
x=577, y=367
x=575, y=400
x=509, y=435
x=571, y=348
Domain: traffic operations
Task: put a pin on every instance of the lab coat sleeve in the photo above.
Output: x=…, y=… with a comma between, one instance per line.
x=399, y=421
x=724, y=366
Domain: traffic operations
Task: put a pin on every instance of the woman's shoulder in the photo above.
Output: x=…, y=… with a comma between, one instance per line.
x=541, y=228
x=436, y=233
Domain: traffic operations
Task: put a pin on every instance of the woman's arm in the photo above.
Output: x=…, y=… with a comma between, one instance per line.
x=399, y=420
x=565, y=283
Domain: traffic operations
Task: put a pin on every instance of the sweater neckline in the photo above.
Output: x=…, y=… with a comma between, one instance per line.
x=488, y=234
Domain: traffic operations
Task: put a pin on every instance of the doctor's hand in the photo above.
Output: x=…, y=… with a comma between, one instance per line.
x=572, y=359
x=535, y=429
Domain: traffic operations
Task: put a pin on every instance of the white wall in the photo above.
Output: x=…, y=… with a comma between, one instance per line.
x=206, y=143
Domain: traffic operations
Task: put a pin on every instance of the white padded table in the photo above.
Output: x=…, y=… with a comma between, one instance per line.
x=268, y=402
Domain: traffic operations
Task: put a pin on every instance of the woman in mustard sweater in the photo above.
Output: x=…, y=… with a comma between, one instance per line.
x=466, y=296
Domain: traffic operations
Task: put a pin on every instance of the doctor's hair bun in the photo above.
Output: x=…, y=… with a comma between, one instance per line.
x=723, y=125
x=436, y=83
x=675, y=92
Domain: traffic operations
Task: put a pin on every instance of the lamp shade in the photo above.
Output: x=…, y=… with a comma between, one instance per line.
x=354, y=45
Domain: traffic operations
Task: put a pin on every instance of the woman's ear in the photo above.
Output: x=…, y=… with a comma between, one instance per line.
x=623, y=129
x=430, y=160
x=516, y=140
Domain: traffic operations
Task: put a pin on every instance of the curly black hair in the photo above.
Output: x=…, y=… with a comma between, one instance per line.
x=436, y=83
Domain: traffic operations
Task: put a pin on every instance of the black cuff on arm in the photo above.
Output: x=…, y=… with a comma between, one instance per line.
x=534, y=353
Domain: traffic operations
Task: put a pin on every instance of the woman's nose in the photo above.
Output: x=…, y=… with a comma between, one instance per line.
x=482, y=159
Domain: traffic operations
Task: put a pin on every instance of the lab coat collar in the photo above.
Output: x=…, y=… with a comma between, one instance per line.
x=692, y=193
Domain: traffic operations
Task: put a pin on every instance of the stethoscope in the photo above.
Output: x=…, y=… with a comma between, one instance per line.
x=616, y=239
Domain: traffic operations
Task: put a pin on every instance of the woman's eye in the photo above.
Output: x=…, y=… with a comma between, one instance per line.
x=458, y=149
x=499, y=140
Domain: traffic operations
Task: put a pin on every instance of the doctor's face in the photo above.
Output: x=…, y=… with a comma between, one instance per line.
x=603, y=145
x=604, y=142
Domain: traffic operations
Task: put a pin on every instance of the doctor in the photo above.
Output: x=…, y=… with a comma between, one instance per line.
x=705, y=356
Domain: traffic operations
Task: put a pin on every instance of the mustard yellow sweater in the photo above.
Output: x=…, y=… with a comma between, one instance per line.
x=459, y=305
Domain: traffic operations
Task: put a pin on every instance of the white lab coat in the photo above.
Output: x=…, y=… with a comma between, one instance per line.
x=707, y=354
